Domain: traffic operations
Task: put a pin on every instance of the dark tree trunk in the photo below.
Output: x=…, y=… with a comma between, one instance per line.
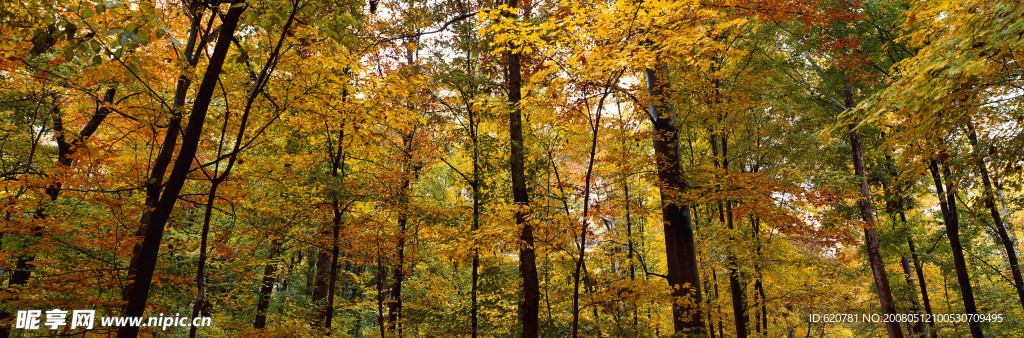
x=148, y=255
x=529, y=309
x=398, y=276
x=718, y=308
x=322, y=279
x=476, y=220
x=867, y=212
x=381, y=279
x=337, y=169
x=200, y=304
x=901, y=207
x=269, y=271
x=990, y=203
x=918, y=327
x=409, y=170
x=759, y=282
x=739, y=302
x=680, y=250
x=920, y=276
x=951, y=218
x=584, y=228
x=155, y=182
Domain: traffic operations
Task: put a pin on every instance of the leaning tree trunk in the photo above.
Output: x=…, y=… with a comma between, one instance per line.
x=920, y=276
x=155, y=182
x=867, y=212
x=149, y=252
x=990, y=203
x=951, y=218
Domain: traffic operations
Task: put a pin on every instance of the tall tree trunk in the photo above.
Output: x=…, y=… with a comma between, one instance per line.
x=529, y=308
x=867, y=212
x=269, y=270
x=680, y=250
x=473, y=310
x=951, y=218
x=901, y=207
x=381, y=279
x=920, y=276
x=759, y=281
x=990, y=203
x=200, y=304
x=155, y=182
x=398, y=276
x=584, y=228
x=718, y=308
x=918, y=327
x=337, y=170
x=895, y=195
x=739, y=306
x=148, y=255
x=409, y=172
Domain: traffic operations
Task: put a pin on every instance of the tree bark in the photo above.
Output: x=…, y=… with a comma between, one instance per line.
x=990, y=203
x=154, y=183
x=529, y=308
x=951, y=218
x=680, y=250
x=267, y=286
x=867, y=212
x=584, y=228
x=148, y=255
x=739, y=302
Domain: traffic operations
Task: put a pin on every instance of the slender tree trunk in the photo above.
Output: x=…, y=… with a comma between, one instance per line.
x=148, y=254
x=630, y=248
x=337, y=169
x=200, y=304
x=920, y=276
x=381, y=276
x=867, y=213
x=714, y=279
x=951, y=218
x=902, y=200
x=529, y=308
x=739, y=306
x=680, y=250
x=896, y=195
x=410, y=172
x=267, y=286
x=584, y=228
x=758, y=283
x=990, y=203
x=918, y=327
x=473, y=310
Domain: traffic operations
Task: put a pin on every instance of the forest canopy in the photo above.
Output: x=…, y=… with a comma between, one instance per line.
x=624, y=168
